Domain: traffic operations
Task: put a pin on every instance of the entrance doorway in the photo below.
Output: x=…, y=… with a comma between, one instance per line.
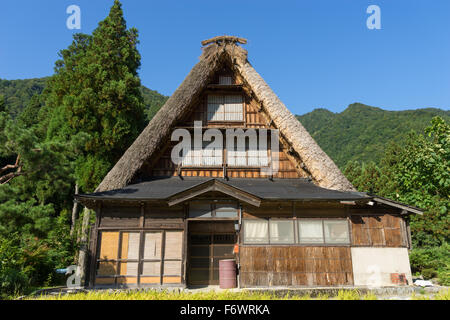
x=206, y=246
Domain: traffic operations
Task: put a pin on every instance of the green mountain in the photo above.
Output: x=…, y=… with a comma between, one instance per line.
x=17, y=93
x=361, y=132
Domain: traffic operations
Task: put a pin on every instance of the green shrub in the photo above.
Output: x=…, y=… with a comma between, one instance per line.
x=27, y=263
x=432, y=262
x=444, y=276
x=14, y=277
x=429, y=273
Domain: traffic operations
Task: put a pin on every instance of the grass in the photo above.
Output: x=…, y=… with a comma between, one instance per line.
x=348, y=295
x=224, y=295
x=165, y=295
x=441, y=295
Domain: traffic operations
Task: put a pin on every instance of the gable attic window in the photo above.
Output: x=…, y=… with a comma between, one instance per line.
x=207, y=156
x=247, y=156
x=225, y=108
x=225, y=80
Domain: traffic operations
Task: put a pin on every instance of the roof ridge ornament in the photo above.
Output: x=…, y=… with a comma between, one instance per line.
x=224, y=39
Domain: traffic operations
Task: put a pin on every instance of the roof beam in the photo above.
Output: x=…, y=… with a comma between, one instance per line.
x=213, y=185
x=398, y=205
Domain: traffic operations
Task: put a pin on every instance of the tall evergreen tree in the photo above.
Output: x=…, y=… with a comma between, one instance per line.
x=96, y=90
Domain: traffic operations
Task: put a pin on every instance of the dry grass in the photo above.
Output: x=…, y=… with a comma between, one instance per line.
x=441, y=295
x=224, y=295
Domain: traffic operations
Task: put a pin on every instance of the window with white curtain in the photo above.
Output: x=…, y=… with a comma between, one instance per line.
x=310, y=231
x=336, y=231
x=248, y=156
x=329, y=231
x=256, y=231
x=225, y=108
x=281, y=231
x=207, y=156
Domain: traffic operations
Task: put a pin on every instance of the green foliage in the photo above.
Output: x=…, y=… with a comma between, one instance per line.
x=429, y=273
x=2, y=103
x=26, y=261
x=89, y=113
x=432, y=262
x=361, y=133
x=17, y=93
x=153, y=101
x=416, y=172
x=14, y=275
x=96, y=90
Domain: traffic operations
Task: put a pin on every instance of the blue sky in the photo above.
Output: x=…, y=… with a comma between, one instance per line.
x=312, y=53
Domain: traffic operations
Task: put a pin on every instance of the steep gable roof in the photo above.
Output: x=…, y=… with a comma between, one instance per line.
x=225, y=50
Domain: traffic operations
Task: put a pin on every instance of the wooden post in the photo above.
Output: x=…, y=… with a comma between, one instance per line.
x=83, y=251
x=74, y=211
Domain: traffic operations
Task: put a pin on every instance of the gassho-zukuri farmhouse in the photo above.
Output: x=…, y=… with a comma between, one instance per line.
x=285, y=214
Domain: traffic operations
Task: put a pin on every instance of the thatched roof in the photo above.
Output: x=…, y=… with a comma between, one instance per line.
x=323, y=170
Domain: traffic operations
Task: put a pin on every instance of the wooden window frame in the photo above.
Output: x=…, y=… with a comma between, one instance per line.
x=119, y=259
x=141, y=259
x=213, y=207
x=297, y=242
x=225, y=121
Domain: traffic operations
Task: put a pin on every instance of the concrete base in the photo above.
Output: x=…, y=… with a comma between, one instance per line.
x=374, y=267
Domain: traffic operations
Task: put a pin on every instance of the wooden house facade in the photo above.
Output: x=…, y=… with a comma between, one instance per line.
x=161, y=223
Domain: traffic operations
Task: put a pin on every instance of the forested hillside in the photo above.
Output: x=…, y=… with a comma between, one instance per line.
x=18, y=93
x=362, y=132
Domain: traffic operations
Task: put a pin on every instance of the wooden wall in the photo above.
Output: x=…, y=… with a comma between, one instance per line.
x=278, y=265
x=379, y=231
x=322, y=265
x=295, y=266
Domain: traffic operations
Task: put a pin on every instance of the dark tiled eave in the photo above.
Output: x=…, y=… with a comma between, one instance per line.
x=276, y=189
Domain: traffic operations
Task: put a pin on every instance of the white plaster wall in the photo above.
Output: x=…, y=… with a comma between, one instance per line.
x=373, y=266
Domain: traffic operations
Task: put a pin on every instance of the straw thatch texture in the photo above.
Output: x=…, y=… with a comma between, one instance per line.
x=324, y=172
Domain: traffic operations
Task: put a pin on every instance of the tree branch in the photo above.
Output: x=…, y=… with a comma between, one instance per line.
x=9, y=176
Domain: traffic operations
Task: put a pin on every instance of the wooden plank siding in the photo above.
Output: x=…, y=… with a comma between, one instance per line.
x=379, y=231
x=295, y=266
